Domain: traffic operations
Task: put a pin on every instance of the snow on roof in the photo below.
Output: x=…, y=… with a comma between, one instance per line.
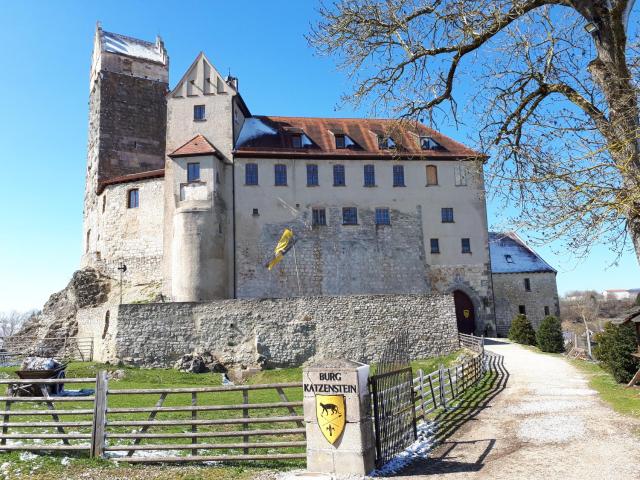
x=116, y=43
x=509, y=254
x=253, y=128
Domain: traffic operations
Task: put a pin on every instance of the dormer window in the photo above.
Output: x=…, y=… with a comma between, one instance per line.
x=386, y=142
x=340, y=142
x=428, y=143
x=296, y=140
x=508, y=258
x=344, y=141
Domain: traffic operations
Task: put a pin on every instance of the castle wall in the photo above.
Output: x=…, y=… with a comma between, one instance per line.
x=341, y=259
x=510, y=293
x=128, y=235
x=282, y=332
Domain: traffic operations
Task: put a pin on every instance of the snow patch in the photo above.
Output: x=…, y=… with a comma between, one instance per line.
x=114, y=43
x=419, y=449
x=27, y=456
x=254, y=128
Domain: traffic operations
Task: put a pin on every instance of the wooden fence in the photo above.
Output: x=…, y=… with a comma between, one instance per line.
x=14, y=349
x=120, y=423
x=443, y=387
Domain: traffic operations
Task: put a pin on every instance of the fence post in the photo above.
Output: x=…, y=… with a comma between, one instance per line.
x=98, y=431
x=443, y=394
x=421, y=380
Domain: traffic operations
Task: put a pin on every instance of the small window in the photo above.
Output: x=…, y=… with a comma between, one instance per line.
x=382, y=216
x=349, y=216
x=296, y=141
x=338, y=176
x=340, y=142
x=398, y=175
x=280, y=172
x=466, y=245
x=527, y=284
x=319, y=216
x=251, y=174
x=369, y=176
x=460, y=173
x=522, y=310
x=86, y=248
x=428, y=143
x=255, y=212
x=546, y=310
x=386, y=143
x=104, y=202
x=193, y=172
x=508, y=258
x=435, y=245
x=447, y=215
x=133, y=198
x=312, y=175
x=432, y=175
x=198, y=112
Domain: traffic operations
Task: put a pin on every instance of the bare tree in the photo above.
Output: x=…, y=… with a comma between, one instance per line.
x=10, y=322
x=557, y=105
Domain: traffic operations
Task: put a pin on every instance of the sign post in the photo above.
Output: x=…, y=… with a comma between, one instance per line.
x=338, y=418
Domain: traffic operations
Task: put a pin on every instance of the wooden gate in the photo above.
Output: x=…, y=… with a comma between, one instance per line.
x=393, y=402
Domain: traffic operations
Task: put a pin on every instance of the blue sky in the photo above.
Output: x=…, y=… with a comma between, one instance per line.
x=45, y=56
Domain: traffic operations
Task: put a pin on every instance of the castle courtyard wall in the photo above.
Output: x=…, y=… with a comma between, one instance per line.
x=275, y=332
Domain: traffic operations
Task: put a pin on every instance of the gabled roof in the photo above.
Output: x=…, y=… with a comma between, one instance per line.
x=198, y=145
x=201, y=78
x=508, y=245
x=269, y=136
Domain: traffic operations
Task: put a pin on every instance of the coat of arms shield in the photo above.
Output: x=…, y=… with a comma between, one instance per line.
x=331, y=415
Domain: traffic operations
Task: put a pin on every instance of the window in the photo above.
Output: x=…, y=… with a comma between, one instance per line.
x=217, y=177
x=251, y=174
x=398, y=175
x=338, y=176
x=447, y=215
x=460, y=173
x=349, y=216
x=428, y=143
x=319, y=216
x=193, y=172
x=432, y=175
x=522, y=310
x=527, y=284
x=104, y=202
x=280, y=172
x=198, y=112
x=340, y=142
x=86, y=248
x=546, y=310
x=133, y=198
x=382, y=216
x=466, y=245
x=256, y=212
x=435, y=245
x=312, y=175
x=386, y=143
x=369, y=176
x=296, y=141
x=508, y=258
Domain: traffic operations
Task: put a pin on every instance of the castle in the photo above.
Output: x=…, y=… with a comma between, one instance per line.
x=191, y=192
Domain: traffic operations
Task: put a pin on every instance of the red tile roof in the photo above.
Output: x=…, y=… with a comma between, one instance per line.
x=132, y=177
x=198, y=145
x=272, y=138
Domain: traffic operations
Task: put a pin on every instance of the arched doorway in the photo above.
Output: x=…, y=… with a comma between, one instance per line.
x=465, y=313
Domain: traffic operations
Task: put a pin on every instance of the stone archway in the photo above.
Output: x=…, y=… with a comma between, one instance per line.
x=465, y=312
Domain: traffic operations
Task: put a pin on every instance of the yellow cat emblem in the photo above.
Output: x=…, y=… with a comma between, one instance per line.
x=331, y=415
x=466, y=313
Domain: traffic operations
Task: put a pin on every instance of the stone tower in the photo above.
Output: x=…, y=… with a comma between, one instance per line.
x=127, y=124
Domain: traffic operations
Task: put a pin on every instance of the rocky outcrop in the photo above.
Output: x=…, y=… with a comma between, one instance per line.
x=200, y=363
x=57, y=320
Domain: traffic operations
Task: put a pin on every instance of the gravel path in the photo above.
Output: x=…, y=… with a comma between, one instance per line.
x=545, y=424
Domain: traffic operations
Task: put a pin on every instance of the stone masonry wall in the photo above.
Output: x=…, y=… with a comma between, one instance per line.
x=509, y=292
x=283, y=332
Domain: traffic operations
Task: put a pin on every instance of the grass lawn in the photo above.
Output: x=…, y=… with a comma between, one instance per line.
x=76, y=465
x=622, y=399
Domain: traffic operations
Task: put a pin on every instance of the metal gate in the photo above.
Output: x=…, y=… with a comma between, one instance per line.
x=393, y=402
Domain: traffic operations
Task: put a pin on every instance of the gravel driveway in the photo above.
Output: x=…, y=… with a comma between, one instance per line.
x=545, y=424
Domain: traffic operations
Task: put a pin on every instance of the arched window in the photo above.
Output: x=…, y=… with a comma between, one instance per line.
x=432, y=175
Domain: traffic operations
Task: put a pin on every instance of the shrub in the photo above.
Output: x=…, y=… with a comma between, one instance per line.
x=549, y=335
x=521, y=331
x=614, y=348
x=637, y=302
